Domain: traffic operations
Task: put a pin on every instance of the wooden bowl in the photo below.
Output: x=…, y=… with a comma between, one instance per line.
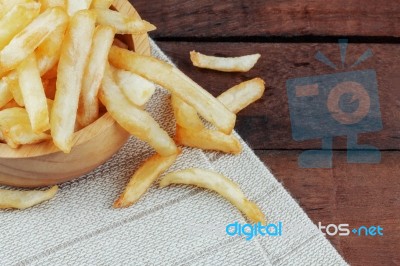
x=44, y=164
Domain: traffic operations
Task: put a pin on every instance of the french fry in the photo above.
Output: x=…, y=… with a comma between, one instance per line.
x=220, y=184
x=5, y=93
x=74, y=6
x=225, y=64
x=177, y=83
x=242, y=95
x=33, y=94
x=134, y=120
x=48, y=53
x=7, y=5
x=45, y=4
x=25, y=42
x=123, y=24
x=11, y=81
x=101, y=4
x=71, y=66
x=88, y=110
x=207, y=139
x=185, y=115
x=137, y=89
x=16, y=20
x=15, y=199
x=143, y=178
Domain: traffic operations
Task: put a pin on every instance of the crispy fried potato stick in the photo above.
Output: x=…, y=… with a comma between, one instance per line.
x=137, y=122
x=185, y=115
x=11, y=81
x=207, y=139
x=45, y=4
x=225, y=64
x=74, y=6
x=15, y=199
x=137, y=89
x=242, y=95
x=178, y=83
x=88, y=110
x=5, y=94
x=123, y=24
x=7, y=5
x=143, y=178
x=25, y=42
x=48, y=53
x=16, y=20
x=218, y=183
x=71, y=66
x=101, y=4
x=33, y=94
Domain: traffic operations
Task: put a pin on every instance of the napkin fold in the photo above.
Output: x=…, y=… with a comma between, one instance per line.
x=177, y=225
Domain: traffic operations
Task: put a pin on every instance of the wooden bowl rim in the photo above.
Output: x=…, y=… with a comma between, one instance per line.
x=86, y=134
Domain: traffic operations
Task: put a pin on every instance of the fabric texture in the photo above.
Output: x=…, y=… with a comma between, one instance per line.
x=177, y=225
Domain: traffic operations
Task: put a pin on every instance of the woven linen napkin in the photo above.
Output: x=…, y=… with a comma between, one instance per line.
x=177, y=225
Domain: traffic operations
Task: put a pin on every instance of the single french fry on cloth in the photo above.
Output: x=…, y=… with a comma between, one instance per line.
x=220, y=184
x=16, y=128
x=45, y=4
x=143, y=178
x=7, y=5
x=225, y=64
x=242, y=95
x=16, y=199
x=123, y=24
x=185, y=115
x=207, y=139
x=74, y=6
x=11, y=82
x=137, y=122
x=71, y=67
x=88, y=110
x=48, y=53
x=16, y=20
x=33, y=94
x=101, y=4
x=177, y=83
x=138, y=90
x=25, y=42
x=5, y=94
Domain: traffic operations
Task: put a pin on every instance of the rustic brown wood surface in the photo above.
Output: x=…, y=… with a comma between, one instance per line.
x=357, y=194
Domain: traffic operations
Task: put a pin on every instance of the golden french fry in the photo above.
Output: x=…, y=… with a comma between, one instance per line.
x=33, y=94
x=25, y=42
x=15, y=199
x=143, y=178
x=11, y=81
x=45, y=4
x=137, y=122
x=220, y=184
x=71, y=66
x=16, y=20
x=123, y=24
x=74, y=6
x=185, y=115
x=88, y=110
x=178, y=83
x=101, y=4
x=242, y=95
x=207, y=139
x=48, y=52
x=7, y=5
x=225, y=64
x=5, y=94
x=137, y=89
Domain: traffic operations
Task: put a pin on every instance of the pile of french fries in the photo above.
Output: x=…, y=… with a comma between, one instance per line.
x=60, y=61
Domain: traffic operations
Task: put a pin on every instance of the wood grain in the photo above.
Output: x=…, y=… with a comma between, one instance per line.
x=348, y=193
x=266, y=124
x=207, y=18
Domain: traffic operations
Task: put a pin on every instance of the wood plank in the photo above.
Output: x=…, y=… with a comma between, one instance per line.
x=207, y=18
x=353, y=194
x=266, y=124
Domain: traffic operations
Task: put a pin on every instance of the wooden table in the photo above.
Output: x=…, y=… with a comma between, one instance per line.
x=288, y=34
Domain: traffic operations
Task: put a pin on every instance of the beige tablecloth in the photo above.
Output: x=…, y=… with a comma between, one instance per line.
x=178, y=225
